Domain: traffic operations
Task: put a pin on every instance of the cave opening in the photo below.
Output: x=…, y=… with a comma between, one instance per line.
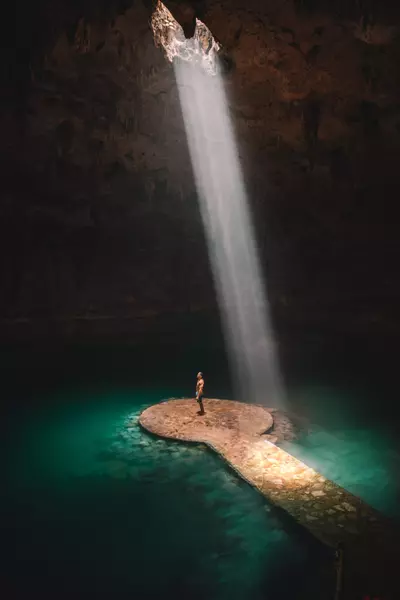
x=201, y=48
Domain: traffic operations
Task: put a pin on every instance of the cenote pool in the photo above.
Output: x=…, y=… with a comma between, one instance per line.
x=96, y=508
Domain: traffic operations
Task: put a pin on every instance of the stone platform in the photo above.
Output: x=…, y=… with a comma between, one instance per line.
x=239, y=433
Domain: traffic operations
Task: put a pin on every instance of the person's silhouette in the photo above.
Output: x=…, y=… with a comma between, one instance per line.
x=199, y=392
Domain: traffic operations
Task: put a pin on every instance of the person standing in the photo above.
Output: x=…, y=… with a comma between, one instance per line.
x=199, y=391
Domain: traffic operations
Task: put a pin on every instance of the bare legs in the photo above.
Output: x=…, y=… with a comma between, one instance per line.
x=200, y=401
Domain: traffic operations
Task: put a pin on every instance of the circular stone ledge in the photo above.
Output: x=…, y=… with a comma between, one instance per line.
x=180, y=420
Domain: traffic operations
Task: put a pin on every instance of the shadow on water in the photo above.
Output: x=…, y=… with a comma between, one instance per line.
x=105, y=537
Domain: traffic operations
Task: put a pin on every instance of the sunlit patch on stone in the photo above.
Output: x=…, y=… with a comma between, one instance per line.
x=201, y=49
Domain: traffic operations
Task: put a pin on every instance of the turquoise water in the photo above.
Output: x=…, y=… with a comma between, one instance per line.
x=346, y=439
x=95, y=507
x=98, y=508
x=362, y=460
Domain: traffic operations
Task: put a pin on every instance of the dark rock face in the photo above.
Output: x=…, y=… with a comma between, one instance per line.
x=99, y=208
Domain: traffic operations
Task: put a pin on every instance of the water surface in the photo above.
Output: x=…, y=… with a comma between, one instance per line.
x=96, y=507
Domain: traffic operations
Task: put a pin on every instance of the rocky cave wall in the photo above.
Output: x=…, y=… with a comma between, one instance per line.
x=98, y=207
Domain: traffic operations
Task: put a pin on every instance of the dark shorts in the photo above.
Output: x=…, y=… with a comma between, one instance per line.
x=200, y=398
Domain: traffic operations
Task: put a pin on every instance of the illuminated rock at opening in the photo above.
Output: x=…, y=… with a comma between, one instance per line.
x=201, y=49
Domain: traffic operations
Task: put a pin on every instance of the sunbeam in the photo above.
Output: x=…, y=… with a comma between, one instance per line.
x=225, y=213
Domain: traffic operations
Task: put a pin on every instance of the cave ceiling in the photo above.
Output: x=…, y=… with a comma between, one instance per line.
x=93, y=135
x=312, y=86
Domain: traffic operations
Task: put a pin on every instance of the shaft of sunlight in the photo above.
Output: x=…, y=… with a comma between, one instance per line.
x=229, y=233
x=230, y=237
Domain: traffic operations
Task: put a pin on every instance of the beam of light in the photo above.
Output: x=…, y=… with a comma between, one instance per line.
x=227, y=223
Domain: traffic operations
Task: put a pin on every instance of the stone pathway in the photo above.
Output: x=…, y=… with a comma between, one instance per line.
x=235, y=430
